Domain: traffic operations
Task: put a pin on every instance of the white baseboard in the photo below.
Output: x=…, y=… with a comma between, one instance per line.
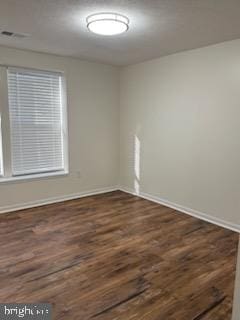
x=191, y=212
x=43, y=202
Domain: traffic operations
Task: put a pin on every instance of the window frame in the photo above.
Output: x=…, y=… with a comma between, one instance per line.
x=5, y=133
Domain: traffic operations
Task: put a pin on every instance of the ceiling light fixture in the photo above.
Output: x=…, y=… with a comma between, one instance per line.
x=107, y=24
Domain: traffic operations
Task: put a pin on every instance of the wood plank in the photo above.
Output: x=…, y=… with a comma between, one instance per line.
x=117, y=256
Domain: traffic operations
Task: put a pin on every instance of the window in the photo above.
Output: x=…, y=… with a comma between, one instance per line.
x=36, y=130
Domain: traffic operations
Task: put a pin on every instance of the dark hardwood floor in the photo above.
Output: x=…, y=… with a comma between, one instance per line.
x=117, y=257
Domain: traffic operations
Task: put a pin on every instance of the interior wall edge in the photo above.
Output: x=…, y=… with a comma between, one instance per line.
x=52, y=200
x=189, y=211
x=236, y=304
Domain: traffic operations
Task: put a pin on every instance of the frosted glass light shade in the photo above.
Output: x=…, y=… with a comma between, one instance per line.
x=107, y=24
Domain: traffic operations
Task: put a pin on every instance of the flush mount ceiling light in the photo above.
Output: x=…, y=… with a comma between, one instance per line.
x=107, y=24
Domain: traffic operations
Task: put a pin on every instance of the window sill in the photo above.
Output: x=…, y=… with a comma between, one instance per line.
x=33, y=177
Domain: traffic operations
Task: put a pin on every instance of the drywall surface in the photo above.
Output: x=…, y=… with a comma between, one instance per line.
x=180, y=130
x=93, y=118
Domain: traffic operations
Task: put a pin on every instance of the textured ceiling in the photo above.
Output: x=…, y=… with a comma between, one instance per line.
x=157, y=27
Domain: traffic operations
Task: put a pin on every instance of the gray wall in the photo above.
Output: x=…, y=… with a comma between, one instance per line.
x=180, y=129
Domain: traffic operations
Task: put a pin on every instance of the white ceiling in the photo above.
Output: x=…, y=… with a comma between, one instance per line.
x=157, y=27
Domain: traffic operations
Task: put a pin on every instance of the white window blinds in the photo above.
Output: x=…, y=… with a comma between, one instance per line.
x=36, y=121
